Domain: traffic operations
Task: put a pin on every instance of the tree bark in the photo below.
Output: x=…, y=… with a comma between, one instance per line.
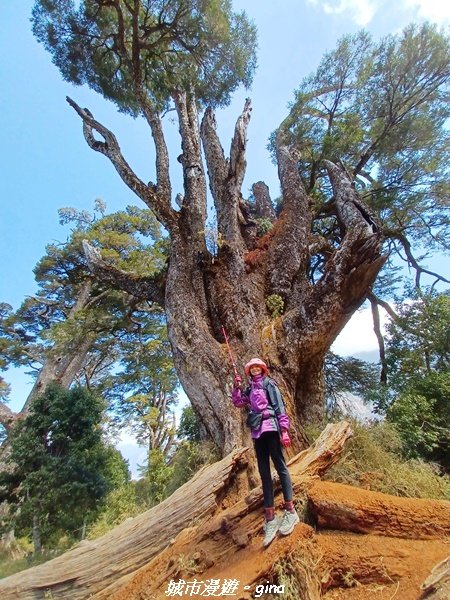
x=37, y=544
x=218, y=496
x=206, y=289
x=354, y=560
x=338, y=506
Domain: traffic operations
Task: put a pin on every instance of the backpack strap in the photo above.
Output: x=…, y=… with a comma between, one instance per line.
x=273, y=394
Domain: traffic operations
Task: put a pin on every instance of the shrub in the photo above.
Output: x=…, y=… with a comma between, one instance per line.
x=373, y=460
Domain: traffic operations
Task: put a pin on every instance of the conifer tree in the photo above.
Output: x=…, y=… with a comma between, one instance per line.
x=362, y=160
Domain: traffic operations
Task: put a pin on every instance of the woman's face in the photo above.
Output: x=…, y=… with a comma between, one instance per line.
x=255, y=370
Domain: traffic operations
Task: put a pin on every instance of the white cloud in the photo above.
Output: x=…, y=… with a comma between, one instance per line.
x=362, y=12
x=437, y=11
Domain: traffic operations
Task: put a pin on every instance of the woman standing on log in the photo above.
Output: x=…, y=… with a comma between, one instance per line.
x=269, y=424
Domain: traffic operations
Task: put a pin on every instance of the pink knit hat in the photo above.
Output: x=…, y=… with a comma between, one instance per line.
x=256, y=362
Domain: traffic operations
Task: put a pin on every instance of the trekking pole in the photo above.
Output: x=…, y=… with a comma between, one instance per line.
x=236, y=374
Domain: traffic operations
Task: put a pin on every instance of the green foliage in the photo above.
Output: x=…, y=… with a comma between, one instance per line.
x=417, y=400
x=188, y=459
x=163, y=477
x=59, y=469
x=120, y=504
x=129, y=52
x=373, y=459
x=348, y=376
x=157, y=477
x=48, y=324
x=275, y=305
x=189, y=427
x=71, y=309
x=418, y=342
x=10, y=565
x=143, y=392
x=381, y=110
x=264, y=225
x=421, y=413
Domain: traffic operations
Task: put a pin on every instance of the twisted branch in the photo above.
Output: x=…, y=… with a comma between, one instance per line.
x=156, y=199
x=410, y=258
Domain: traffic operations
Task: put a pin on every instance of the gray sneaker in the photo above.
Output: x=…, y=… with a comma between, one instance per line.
x=288, y=522
x=270, y=531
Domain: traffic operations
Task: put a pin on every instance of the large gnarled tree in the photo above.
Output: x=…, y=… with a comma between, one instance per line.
x=287, y=294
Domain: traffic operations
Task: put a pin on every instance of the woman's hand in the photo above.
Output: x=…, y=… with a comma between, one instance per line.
x=285, y=439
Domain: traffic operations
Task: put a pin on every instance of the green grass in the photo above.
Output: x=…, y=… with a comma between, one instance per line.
x=9, y=566
x=373, y=460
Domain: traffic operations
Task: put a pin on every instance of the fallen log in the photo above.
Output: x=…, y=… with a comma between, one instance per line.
x=344, y=507
x=227, y=557
x=437, y=585
x=217, y=548
x=211, y=497
x=93, y=565
x=349, y=559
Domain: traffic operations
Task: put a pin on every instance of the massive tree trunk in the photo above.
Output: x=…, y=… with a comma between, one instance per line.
x=238, y=284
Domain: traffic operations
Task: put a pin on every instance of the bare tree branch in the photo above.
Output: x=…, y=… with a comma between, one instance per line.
x=238, y=162
x=406, y=245
x=194, y=202
x=263, y=202
x=380, y=339
x=347, y=275
x=226, y=176
x=215, y=158
x=351, y=210
x=289, y=247
x=162, y=155
x=387, y=307
x=155, y=199
x=148, y=288
x=391, y=312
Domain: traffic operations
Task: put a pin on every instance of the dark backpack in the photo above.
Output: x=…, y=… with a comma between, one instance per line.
x=254, y=418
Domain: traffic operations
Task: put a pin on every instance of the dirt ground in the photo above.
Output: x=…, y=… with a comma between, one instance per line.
x=350, y=566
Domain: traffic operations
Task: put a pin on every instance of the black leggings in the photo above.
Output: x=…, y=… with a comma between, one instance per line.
x=268, y=446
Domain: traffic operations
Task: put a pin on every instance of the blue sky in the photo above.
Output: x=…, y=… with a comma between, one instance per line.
x=46, y=164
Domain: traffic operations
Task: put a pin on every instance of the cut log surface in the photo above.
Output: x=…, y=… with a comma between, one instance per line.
x=362, y=567
x=344, y=507
x=217, y=499
x=374, y=559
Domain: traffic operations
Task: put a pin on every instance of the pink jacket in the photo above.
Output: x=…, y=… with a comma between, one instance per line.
x=256, y=398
